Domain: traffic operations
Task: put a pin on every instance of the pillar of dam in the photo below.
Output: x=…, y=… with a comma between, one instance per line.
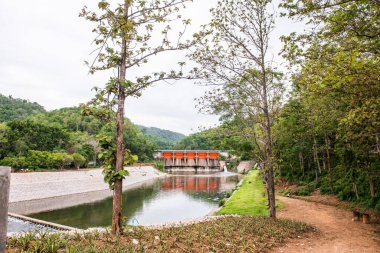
x=5, y=178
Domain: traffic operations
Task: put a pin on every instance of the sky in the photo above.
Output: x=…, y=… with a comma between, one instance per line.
x=43, y=47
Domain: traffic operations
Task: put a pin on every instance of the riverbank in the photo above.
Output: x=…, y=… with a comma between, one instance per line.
x=249, y=199
x=39, y=191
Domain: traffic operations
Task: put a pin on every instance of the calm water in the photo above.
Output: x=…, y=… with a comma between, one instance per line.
x=17, y=225
x=173, y=198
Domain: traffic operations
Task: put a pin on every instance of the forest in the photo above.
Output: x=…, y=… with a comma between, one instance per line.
x=326, y=128
x=31, y=138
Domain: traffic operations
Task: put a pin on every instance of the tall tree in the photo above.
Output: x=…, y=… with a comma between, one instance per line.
x=337, y=81
x=127, y=36
x=232, y=53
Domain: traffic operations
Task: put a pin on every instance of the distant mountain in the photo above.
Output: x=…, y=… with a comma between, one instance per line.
x=16, y=108
x=165, y=139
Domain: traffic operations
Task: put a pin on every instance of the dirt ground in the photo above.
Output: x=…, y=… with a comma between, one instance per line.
x=336, y=232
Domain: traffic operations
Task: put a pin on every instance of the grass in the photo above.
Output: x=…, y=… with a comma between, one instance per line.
x=249, y=199
x=226, y=234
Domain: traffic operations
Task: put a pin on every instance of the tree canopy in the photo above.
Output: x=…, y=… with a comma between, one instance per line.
x=16, y=108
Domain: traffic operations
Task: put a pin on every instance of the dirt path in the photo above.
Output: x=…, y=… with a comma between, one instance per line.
x=336, y=232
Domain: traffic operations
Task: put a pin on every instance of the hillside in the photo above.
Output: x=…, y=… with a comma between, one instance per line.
x=16, y=108
x=33, y=138
x=165, y=139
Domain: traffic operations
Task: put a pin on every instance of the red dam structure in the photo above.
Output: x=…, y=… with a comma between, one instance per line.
x=190, y=160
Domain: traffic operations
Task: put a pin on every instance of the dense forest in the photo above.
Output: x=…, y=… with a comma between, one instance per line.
x=326, y=132
x=36, y=139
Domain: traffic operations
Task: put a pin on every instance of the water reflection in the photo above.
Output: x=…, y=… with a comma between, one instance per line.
x=173, y=198
x=204, y=184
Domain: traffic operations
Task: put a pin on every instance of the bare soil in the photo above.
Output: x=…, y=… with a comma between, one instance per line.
x=336, y=231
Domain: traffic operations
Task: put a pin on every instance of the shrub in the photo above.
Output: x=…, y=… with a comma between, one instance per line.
x=159, y=165
x=78, y=160
x=377, y=207
x=15, y=163
x=303, y=191
x=39, y=160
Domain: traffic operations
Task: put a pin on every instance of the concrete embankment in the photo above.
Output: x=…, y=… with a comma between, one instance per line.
x=41, y=191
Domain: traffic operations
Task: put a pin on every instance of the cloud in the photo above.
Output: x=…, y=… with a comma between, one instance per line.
x=43, y=47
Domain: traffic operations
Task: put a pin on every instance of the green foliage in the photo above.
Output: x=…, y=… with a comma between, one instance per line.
x=159, y=165
x=232, y=164
x=70, y=118
x=35, y=159
x=64, y=130
x=108, y=154
x=226, y=234
x=164, y=139
x=15, y=108
x=15, y=163
x=303, y=191
x=204, y=140
x=227, y=136
x=4, y=139
x=28, y=134
x=138, y=143
x=328, y=132
x=78, y=160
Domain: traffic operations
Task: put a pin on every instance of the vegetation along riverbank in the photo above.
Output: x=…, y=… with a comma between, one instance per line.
x=227, y=234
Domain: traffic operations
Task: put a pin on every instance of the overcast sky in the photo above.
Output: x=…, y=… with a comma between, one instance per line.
x=43, y=47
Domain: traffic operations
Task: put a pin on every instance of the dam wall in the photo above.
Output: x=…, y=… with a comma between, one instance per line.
x=191, y=160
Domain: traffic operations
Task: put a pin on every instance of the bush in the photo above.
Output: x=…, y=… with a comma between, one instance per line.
x=159, y=165
x=15, y=163
x=303, y=191
x=39, y=160
x=377, y=207
x=232, y=165
x=78, y=160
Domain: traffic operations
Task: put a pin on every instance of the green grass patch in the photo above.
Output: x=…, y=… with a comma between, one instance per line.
x=249, y=199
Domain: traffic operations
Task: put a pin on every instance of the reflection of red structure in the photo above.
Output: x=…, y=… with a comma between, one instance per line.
x=181, y=159
x=205, y=184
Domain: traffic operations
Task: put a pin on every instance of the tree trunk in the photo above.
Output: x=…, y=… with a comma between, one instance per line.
x=356, y=190
x=268, y=150
x=372, y=186
x=316, y=158
x=302, y=163
x=327, y=141
x=118, y=186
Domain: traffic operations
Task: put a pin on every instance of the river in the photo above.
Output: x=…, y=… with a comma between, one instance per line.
x=170, y=199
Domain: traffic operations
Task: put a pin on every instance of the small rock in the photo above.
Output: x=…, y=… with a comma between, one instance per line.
x=135, y=241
